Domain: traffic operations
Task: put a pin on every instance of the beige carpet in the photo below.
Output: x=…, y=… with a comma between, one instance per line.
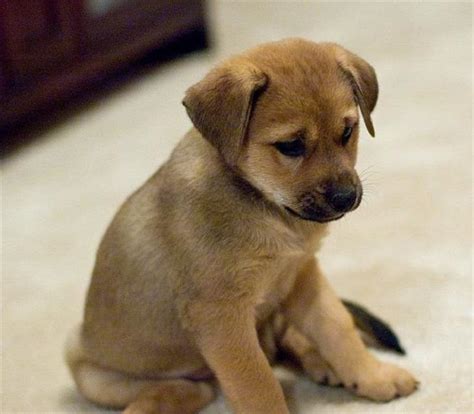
x=406, y=253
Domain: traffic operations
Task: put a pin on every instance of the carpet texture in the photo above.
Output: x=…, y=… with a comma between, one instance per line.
x=405, y=253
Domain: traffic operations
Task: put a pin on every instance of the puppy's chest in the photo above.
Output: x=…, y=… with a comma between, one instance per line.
x=275, y=286
x=278, y=275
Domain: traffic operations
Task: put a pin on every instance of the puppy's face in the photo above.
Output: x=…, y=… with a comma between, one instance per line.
x=302, y=143
x=300, y=120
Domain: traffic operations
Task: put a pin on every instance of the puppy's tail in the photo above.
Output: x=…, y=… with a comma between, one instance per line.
x=374, y=330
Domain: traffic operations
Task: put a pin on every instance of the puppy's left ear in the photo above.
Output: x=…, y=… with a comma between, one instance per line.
x=364, y=82
x=220, y=105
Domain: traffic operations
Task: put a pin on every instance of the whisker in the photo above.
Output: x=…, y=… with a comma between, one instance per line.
x=370, y=180
x=366, y=169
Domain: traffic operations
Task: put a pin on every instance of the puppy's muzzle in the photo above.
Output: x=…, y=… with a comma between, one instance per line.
x=330, y=204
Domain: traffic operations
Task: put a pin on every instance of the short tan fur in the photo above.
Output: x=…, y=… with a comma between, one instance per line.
x=209, y=268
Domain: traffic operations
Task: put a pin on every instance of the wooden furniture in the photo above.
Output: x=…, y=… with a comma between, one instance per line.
x=50, y=49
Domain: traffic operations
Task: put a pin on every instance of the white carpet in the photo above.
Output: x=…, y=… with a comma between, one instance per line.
x=405, y=253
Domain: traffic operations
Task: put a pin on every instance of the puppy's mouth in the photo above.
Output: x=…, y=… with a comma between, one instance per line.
x=319, y=217
x=313, y=207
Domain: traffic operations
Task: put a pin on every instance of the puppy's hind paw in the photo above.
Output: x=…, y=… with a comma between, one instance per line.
x=319, y=371
x=142, y=407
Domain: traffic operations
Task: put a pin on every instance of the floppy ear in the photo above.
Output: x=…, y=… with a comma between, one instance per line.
x=220, y=105
x=364, y=82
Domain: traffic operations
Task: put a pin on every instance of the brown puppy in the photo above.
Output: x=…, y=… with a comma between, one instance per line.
x=209, y=268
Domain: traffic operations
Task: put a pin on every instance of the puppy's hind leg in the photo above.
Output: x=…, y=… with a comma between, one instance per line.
x=118, y=390
x=296, y=348
x=142, y=396
x=178, y=396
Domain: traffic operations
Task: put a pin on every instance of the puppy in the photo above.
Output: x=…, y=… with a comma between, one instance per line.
x=209, y=269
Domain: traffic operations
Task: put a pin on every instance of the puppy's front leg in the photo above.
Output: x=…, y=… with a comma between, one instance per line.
x=315, y=309
x=227, y=337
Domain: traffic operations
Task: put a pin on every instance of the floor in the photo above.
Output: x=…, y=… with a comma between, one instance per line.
x=405, y=253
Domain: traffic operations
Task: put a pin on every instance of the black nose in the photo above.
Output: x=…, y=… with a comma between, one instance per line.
x=342, y=198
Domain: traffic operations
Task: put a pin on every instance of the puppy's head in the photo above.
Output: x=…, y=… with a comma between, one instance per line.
x=285, y=116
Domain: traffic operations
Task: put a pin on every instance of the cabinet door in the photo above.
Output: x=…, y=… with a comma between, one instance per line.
x=3, y=82
x=111, y=23
x=3, y=73
x=39, y=34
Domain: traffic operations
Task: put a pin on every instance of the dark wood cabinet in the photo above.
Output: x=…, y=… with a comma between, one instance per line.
x=39, y=34
x=52, y=48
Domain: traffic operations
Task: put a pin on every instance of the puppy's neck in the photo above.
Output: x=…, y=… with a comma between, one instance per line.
x=310, y=232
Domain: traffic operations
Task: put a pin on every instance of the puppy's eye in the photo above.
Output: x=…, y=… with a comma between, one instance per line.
x=294, y=148
x=346, y=135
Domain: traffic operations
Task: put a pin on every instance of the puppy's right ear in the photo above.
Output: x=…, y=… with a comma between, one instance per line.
x=220, y=105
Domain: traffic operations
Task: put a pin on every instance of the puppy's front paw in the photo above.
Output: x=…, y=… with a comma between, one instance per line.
x=381, y=381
